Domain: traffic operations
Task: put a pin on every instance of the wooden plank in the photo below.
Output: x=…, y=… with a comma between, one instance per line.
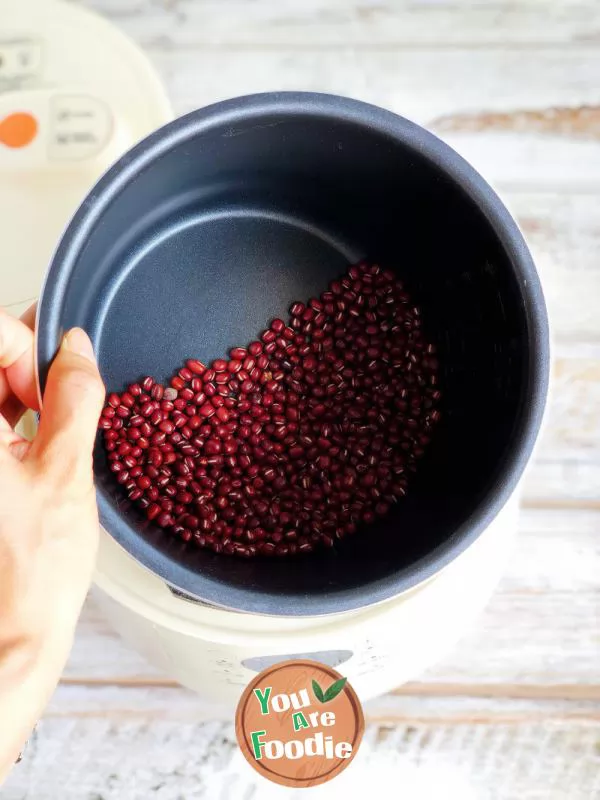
x=567, y=464
x=354, y=23
x=563, y=232
x=175, y=704
x=100, y=654
x=123, y=745
x=424, y=84
x=513, y=711
x=436, y=89
x=542, y=627
x=502, y=691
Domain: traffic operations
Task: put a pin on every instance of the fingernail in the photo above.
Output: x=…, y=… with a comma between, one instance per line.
x=77, y=341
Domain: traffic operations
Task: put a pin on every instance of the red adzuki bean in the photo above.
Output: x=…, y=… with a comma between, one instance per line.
x=298, y=438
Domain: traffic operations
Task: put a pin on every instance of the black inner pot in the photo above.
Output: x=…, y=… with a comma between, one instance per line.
x=213, y=226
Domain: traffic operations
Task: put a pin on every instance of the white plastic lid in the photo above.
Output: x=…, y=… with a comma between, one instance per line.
x=75, y=93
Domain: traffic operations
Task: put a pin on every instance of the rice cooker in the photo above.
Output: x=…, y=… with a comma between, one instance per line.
x=74, y=95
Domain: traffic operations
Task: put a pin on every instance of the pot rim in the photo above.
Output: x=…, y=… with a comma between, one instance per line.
x=338, y=109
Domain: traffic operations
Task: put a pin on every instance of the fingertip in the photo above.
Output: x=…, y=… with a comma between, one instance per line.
x=77, y=341
x=72, y=403
x=75, y=365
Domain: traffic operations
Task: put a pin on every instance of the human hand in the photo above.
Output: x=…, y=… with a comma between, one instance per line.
x=48, y=513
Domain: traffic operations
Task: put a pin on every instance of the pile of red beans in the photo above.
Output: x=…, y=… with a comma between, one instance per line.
x=297, y=439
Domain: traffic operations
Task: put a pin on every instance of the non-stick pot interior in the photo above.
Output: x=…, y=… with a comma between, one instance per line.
x=210, y=239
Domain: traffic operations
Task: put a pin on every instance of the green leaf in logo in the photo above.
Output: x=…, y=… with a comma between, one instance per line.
x=334, y=690
x=318, y=692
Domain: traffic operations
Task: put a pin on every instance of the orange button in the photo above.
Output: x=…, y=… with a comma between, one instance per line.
x=18, y=129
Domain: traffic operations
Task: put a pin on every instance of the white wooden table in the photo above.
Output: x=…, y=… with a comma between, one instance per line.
x=514, y=712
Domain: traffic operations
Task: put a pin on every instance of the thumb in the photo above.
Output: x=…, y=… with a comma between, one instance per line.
x=71, y=407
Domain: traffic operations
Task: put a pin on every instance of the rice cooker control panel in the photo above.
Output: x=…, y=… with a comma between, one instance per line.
x=42, y=129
